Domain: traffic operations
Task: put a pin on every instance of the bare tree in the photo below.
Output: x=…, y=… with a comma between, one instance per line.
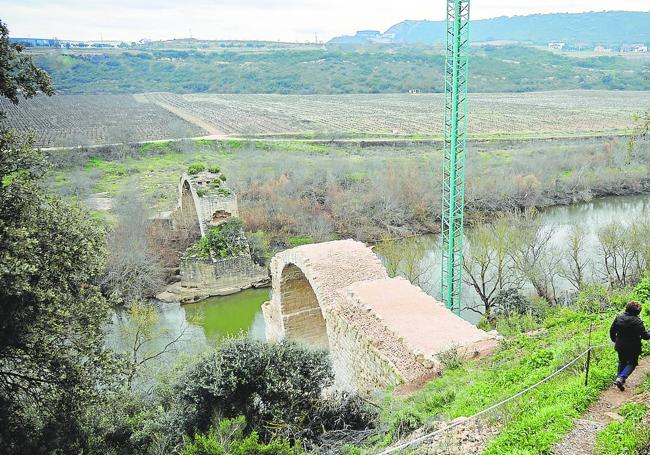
x=618, y=254
x=533, y=254
x=575, y=263
x=488, y=263
x=147, y=340
x=406, y=258
x=134, y=271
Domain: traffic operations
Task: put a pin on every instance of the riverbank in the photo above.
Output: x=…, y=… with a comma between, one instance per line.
x=293, y=193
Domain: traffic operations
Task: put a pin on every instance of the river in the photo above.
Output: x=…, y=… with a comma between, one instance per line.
x=206, y=323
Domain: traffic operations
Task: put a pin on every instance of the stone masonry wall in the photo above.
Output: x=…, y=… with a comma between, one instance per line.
x=222, y=275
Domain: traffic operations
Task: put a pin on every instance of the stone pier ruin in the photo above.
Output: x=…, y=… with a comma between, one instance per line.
x=380, y=331
x=203, y=203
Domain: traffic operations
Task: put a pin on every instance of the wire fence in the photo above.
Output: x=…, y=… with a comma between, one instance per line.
x=417, y=441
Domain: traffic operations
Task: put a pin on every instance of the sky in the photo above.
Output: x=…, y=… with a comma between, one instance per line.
x=285, y=20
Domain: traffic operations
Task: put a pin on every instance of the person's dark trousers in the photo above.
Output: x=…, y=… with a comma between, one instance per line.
x=627, y=362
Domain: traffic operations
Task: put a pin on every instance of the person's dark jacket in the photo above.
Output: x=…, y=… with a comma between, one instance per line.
x=626, y=331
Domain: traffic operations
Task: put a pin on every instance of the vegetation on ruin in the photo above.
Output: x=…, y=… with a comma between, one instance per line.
x=223, y=241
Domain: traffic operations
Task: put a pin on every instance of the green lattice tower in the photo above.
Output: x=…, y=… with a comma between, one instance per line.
x=453, y=198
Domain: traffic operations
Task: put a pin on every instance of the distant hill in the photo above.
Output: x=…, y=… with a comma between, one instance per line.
x=368, y=68
x=611, y=28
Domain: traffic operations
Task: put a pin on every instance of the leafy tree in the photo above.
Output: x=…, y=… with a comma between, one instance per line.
x=52, y=356
x=18, y=74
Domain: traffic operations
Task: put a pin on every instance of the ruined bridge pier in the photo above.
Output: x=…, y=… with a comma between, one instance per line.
x=380, y=331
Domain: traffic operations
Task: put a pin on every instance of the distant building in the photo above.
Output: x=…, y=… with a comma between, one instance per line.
x=634, y=48
x=556, y=45
x=368, y=34
x=602, y=49
x=36, y=42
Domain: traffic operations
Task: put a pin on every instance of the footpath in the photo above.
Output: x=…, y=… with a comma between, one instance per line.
x=582, y=439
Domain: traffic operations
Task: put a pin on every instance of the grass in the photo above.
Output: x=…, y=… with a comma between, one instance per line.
x=533, y=423
x=629, y=437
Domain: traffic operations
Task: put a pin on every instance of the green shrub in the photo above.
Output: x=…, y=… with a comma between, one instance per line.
x=214, y=169
x=229, y=438
x=195, y=168
x=510, y=301
x=642, y=290
x=225, y=240
x=285, y=400
x=200, y=192
x=237, y=380
x=594, y=298
x=299, y=240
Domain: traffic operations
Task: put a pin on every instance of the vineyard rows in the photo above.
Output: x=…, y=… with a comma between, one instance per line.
x=404, y=114
x=70, y=120
x=99, y=119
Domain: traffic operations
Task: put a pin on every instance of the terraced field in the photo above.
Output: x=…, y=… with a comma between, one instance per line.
x=70, y=120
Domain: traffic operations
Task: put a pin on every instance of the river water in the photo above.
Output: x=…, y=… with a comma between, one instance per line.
x=206, y=323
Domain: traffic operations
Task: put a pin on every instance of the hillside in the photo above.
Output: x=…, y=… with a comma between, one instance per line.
x=333, y=70
x=605, y=28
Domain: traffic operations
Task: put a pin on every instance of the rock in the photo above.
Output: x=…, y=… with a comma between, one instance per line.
x=614, y=416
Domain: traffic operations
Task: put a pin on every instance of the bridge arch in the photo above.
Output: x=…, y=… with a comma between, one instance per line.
x=189, y=204
x=380, y=331
x=303, y=317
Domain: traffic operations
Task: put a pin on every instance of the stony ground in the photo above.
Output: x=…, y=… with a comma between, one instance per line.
x=582, y=439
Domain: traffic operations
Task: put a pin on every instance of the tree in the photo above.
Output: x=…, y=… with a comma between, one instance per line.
x=134, y=270
x=533, y=254
x=407, y=258
x=575, y=263
x=147, y=340
x=53, y=361
x=488, y=264
x=18, y=74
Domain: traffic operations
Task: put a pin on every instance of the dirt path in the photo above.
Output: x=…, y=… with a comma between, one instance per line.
x=214, y=132
x=582, y=439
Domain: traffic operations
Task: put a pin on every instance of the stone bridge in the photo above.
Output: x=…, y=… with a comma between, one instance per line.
x=380, y=331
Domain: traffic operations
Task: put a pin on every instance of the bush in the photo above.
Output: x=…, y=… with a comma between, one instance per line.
x=238, y=380
x=214, y=169
x=260, y=247
x=642, y=290
x=195, y=168
x=200, y=192
x=226, y=240
x=510, y=301
x=228, y=438
x=593, y=298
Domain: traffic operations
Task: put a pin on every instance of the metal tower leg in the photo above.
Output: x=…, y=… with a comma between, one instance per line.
x=453, y=198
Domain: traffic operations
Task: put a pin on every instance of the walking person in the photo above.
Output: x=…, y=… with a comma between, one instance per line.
x=626, y=332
